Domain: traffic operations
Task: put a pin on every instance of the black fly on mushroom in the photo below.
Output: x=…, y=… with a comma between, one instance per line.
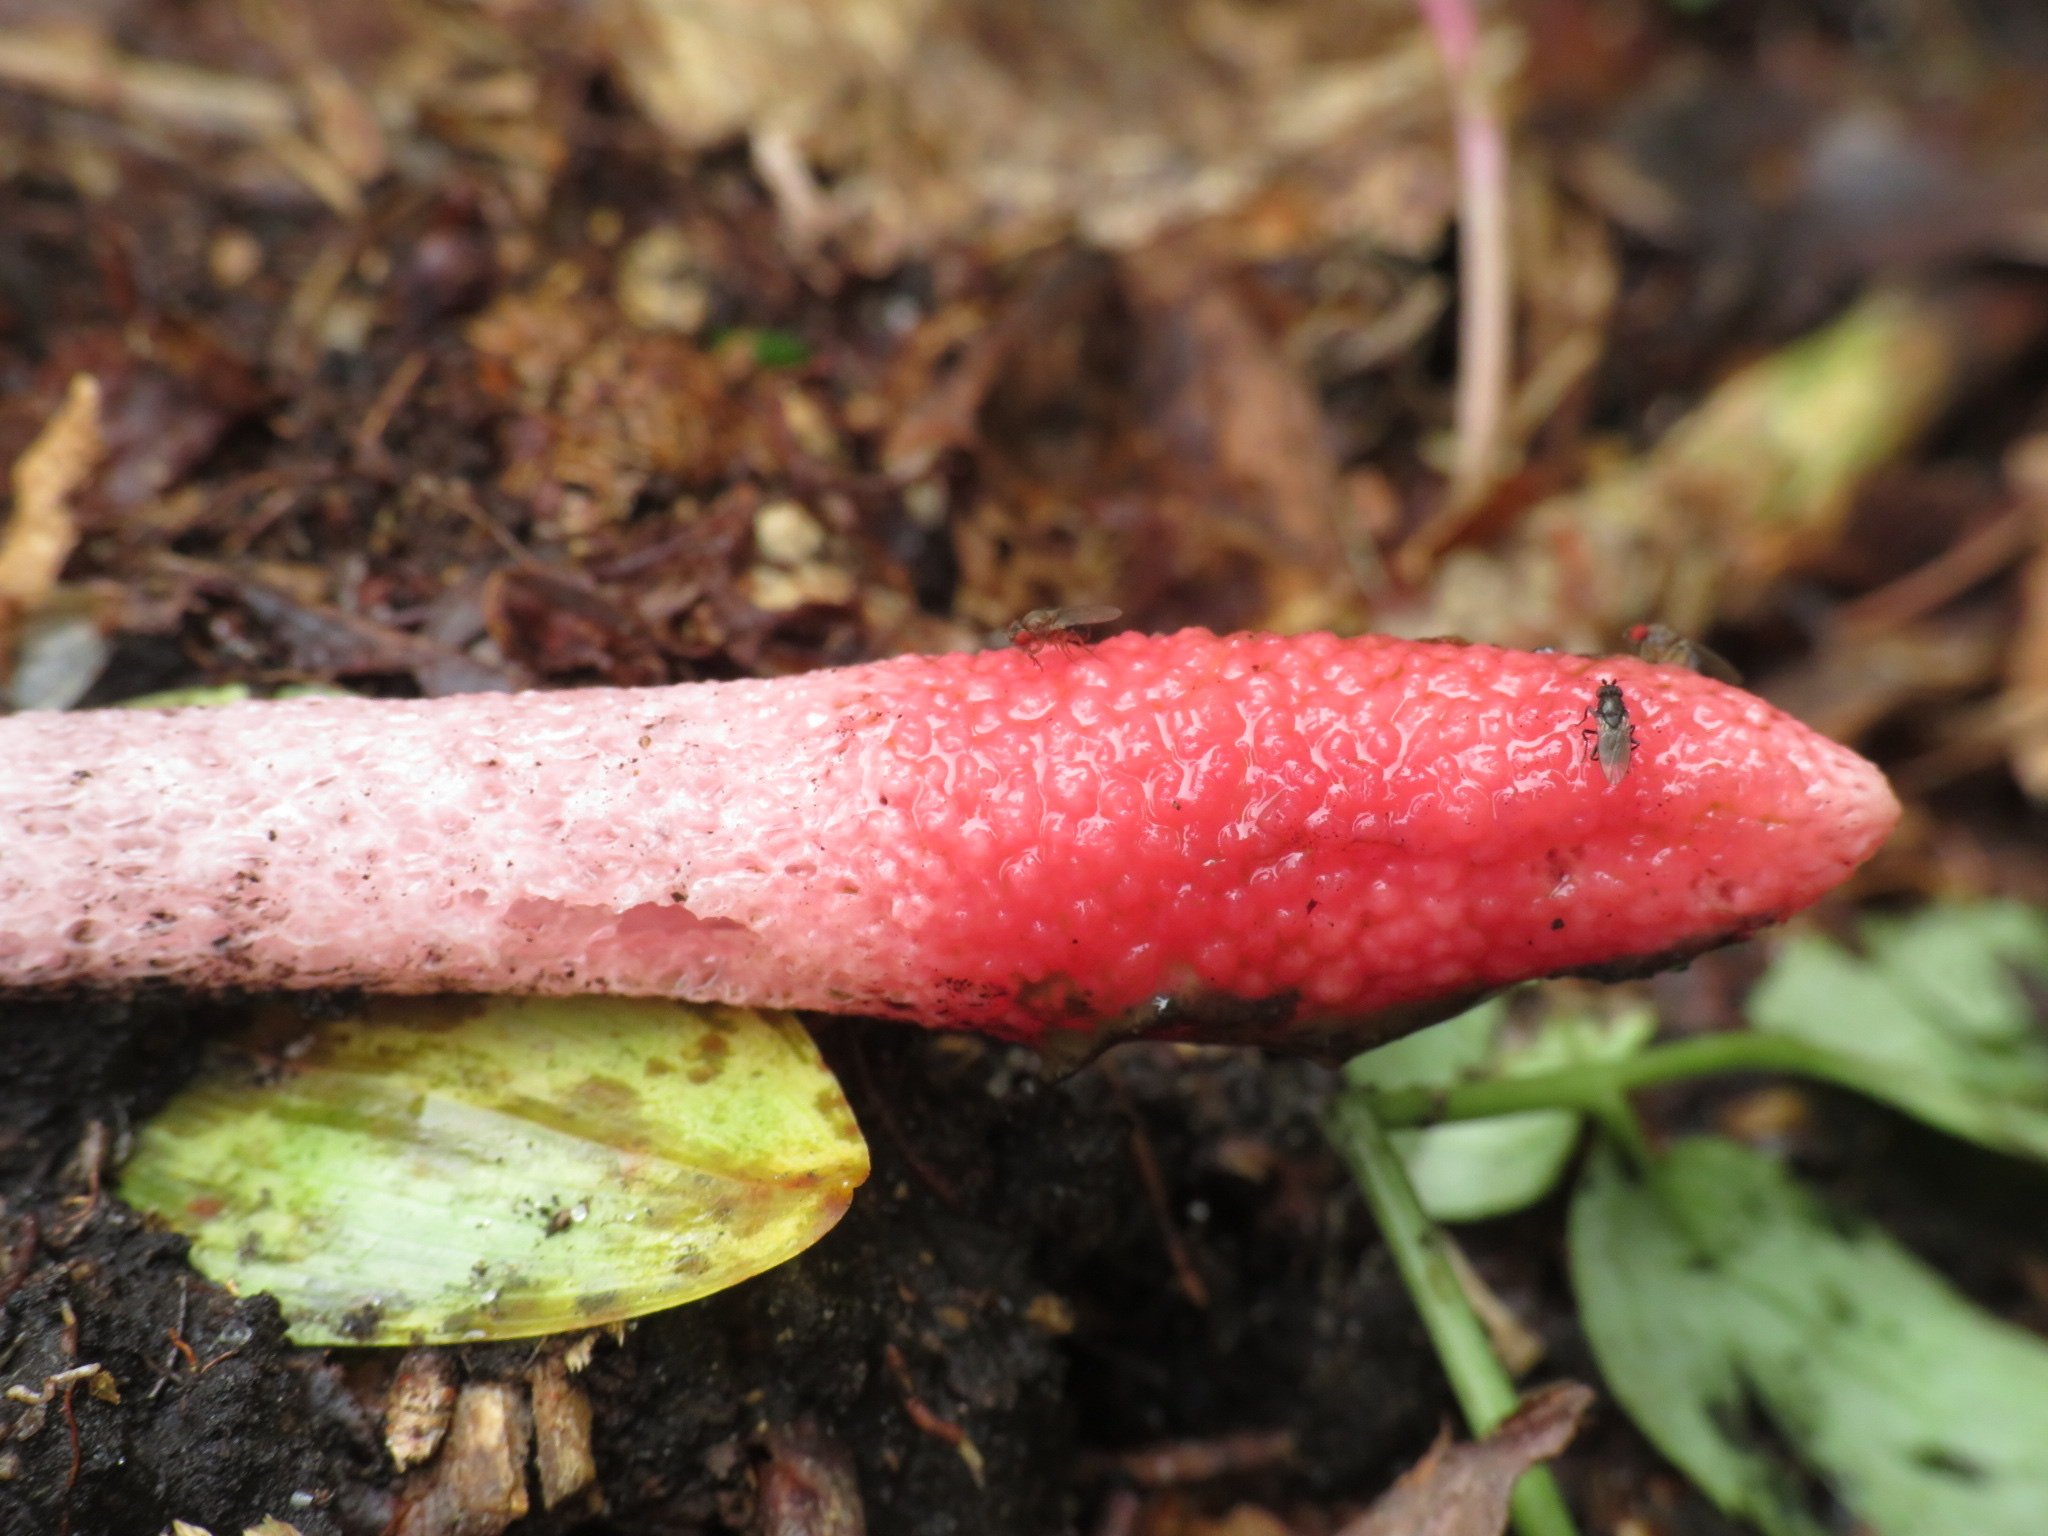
x=1613, y=738
x=1061, y=628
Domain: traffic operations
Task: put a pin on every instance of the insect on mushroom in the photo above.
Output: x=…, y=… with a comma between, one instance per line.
x=1613, y=737
x=1060, y=627
x=1665, y=646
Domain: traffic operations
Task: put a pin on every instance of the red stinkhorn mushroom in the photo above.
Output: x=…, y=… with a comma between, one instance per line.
x=1215, y=837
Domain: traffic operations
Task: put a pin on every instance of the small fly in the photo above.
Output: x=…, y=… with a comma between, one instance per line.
x=1060, y=627
x=1613, y=738
x=1666, y=646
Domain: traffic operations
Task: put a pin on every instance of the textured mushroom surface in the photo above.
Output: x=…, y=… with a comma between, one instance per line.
x=1231, y=836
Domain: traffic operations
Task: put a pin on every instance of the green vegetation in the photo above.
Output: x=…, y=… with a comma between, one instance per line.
x=1768, y=1344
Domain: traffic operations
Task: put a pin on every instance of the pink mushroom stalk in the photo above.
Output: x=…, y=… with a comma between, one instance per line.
x=1304, y=841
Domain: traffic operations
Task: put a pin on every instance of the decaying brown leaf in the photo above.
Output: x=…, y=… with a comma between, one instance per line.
x=561, y=1432
x=324, y=641
x=1236, y=418
x=602, y=409
x=1858, y=678
x=420, y=1405
x=40, y=532
x=1179, y=1463
x=1177, y=1515
x=1519, y=1346
x=1463, y=1490
x=2025, y=703
x=950, y=366
x=946, y=117
x=77, y=64
x=1142, y=433
x=722, y=69
x=558, y=626
x=477, y=1485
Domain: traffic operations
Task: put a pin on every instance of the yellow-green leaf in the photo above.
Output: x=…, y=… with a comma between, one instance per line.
x=455, y=1169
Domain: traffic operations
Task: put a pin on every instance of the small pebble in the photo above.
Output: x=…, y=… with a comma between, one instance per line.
x=785, y=534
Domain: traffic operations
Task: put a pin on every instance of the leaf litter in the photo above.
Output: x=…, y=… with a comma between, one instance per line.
x=1462, y=1490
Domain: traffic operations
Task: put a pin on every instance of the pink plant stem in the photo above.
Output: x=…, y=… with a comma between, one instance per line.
x=1485, y=274
x=1221, y=837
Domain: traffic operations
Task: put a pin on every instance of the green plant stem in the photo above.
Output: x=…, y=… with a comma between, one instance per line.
x=1594, y=1088
x=1617, y=1116
x=1484, y=1392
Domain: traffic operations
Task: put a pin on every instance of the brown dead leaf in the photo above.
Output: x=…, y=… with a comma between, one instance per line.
x=1177, y=1463
x=477, y=1486
x=599, y=409
x=2026, y=680
x=420, y=1405
x=1519, y=1346
x=41, y=532
x=76, y=63
x=1142, y=437
x=561, y=1432
x=1175, y=1515
x=170, y=390
x=1233, y=412
x=1858, y=677
x=716, y=70
x=1463, y=1490
x=944, y=118
x=324, y=641
x=556, y=626
x=1030, y=344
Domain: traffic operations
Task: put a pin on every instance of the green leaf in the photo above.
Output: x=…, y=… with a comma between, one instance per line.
x=444, y=1170
x=768, y=346
x=1476, y=1169
x=1436, y=1057
x=1933, y=1017
x=210, y=696
x=780, y=349
x=198, y=696
x=1737, y=1318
